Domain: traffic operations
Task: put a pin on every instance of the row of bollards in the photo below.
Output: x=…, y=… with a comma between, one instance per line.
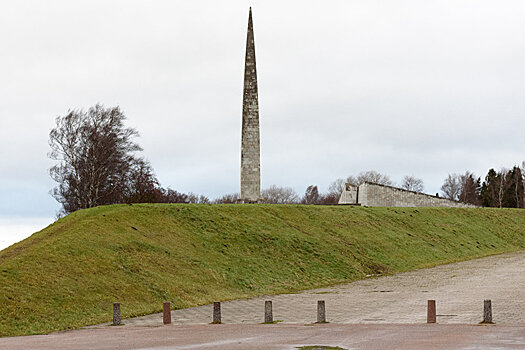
x=268, y=312
x=321, y=312
x=166, y=314
x=487, y=311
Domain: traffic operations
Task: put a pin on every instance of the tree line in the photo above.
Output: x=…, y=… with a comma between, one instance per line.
x=499, y=189
x=98, y=164
x=286, y=195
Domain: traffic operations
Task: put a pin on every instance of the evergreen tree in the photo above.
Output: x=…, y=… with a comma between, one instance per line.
x=470, y=193
x=513, y=189
x=489, y=189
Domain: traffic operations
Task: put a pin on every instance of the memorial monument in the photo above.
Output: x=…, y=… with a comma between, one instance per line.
x=250, y=144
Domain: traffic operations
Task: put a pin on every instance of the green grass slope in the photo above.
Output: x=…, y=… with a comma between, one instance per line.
x=69, y=274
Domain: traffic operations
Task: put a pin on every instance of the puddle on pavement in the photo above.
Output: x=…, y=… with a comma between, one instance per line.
x=320, y=347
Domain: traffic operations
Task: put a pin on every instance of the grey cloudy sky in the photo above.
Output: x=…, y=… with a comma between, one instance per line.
x=403, y=87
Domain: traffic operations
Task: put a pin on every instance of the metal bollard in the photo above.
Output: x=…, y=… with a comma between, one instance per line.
x=116, y=314
x=487, y=311
x=321, y=312
x=216, y=312
x=431, y=311
x=166, y=314
x=268, y=313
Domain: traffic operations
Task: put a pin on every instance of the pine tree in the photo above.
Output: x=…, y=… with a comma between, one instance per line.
x=513, y=189
x=489, y=192
x=470, y=192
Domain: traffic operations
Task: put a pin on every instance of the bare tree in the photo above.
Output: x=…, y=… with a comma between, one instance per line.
x=279, y=195
x=337, y=187
x=172, y=196
x=452, y=186
x=97, y=161
x=197, y=199
x=142, y=185
x=352, y=180
x=500, y=187
x=311, y=195
x=328, y=198
x=412, y=183
x=227, y=199
x=373, y=176
x=522, y=168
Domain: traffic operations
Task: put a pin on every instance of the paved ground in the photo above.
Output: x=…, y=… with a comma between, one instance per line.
x=253, y=337
x=459, y=290
x=377, y=308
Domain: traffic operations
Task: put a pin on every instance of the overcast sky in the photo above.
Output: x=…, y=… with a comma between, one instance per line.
x=421, y=88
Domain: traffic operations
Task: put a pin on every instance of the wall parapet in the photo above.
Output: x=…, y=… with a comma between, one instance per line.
x=377, y=195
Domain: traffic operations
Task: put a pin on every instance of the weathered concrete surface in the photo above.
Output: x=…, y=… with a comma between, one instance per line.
x=250, y=145
x=362, y=337
x=375, y=195
x=459, y=290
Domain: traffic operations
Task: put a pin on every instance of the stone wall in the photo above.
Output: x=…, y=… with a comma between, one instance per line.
x=375, y=195
x=349, y=195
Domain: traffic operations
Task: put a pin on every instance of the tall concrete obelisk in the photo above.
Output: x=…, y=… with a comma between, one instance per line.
x=250, y=145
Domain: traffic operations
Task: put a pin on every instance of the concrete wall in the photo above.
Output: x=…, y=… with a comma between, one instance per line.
x=349, y=195
x=374, y=195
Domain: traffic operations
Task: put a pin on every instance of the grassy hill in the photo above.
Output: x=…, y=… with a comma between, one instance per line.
x=69, y=274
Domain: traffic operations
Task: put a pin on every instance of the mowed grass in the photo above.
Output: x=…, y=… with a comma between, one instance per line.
x=69, y=274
